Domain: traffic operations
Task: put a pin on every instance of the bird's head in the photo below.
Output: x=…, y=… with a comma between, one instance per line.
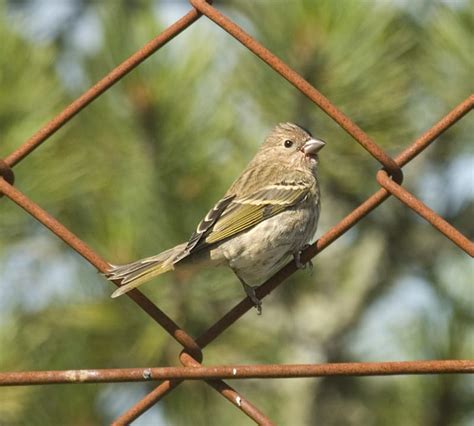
x=292, y=144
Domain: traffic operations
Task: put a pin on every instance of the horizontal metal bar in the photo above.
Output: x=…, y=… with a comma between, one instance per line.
x=265, y=371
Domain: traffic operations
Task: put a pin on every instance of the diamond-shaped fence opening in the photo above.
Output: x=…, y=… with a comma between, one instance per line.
x=390, y=179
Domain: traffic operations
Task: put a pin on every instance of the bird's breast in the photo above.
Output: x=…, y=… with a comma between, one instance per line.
x=259, y=252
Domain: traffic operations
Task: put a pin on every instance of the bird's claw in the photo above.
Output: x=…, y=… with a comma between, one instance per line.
x=250, y=291
x=299, y=264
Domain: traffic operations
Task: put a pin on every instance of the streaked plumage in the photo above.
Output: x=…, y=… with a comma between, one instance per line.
x=268, y=215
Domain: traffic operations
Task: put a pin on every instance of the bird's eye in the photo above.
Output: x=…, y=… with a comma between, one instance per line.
x=288, y=143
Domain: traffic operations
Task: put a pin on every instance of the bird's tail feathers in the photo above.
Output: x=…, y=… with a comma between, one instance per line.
x=136, y=273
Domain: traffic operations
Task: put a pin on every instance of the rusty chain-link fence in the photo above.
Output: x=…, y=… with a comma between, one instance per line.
x=389, y=177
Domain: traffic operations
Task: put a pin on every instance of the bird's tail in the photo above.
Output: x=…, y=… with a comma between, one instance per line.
x=136, y=273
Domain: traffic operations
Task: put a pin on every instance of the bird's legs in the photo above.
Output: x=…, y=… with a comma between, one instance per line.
x=250, y=291
x=297, y=257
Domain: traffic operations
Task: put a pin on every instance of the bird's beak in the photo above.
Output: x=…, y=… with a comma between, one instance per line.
x=313, y=146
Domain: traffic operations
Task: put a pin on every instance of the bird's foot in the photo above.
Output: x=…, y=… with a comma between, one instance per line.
x=299, y=264
x=250, y=291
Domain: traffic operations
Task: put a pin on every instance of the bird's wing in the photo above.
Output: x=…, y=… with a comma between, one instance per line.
x=234, y=214
x=205, y=226
x=248, y=211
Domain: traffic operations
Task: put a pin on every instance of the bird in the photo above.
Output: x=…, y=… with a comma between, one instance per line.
x=267, y=217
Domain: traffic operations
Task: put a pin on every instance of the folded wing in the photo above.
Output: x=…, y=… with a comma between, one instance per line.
x=233, y=214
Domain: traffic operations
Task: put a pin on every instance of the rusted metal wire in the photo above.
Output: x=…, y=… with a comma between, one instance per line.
x=6, y=173
x=168, y=385
x=265, y=371
x=180, y=335
x=146, y=402
x=390, y=179
x=432, y=217
x=458, y=112
x=85, y=251
x=101, y=86
x=301, y=84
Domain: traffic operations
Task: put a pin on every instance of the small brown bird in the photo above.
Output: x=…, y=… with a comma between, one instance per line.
x=268, y=215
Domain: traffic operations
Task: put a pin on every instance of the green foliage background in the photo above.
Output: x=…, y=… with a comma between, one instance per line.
x=134, y=172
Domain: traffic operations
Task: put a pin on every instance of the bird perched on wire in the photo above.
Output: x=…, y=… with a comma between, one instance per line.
x=268, y=215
